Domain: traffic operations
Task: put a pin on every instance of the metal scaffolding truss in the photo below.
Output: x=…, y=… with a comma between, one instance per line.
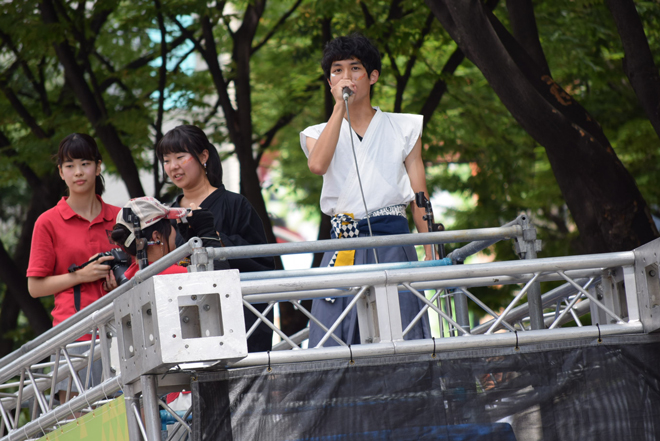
x=450, y=285
x=153, y=326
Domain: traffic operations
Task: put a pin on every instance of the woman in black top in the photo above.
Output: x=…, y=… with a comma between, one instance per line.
x=192, y=163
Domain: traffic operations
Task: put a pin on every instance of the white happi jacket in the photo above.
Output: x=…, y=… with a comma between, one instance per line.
x=388, y=141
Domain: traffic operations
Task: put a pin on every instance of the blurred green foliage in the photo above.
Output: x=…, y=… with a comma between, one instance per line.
x=474, y=149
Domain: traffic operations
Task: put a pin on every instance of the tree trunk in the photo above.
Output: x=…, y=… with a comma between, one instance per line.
x=242, y=52
x=12, y=270
x=45, y=194
x=638, y=63
x=8, y=321
x=14, y=279
x=603, y=198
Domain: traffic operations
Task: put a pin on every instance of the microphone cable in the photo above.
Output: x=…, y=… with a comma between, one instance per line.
x=346, y=93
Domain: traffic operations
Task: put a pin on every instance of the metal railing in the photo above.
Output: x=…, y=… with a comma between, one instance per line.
x=613, y=287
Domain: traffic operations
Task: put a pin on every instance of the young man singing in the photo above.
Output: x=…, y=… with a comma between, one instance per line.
x=388, y=147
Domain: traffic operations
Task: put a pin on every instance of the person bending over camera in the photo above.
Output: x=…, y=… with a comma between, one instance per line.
x=155, y=225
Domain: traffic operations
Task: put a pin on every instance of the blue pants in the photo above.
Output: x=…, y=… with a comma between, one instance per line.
x=328, y=312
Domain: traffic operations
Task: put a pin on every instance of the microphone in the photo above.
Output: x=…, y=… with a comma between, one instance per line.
x=346, y=92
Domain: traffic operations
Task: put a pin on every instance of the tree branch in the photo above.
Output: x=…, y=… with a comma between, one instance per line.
x=99, y=18
x=210, y=55
x=29, y=175
x=279, y=23
x=139, y=62
x=21, y=110
x=368, y=18
x=402, y=81
x=37, y=85
x=440, y=86
x=83, y=50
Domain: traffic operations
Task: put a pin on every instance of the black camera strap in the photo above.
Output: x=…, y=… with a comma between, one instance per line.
x=76, y=289
x=76, y=297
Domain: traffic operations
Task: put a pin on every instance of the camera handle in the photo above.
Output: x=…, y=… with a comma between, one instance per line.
x=422, y=202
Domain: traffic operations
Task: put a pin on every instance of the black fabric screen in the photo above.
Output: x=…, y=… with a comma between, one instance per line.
x=581, y=390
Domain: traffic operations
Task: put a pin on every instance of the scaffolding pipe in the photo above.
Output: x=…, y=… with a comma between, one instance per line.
x=493, y=269
x=460, y=254
x=505, y=280
x=320, y=246
x=279, y=274
x=441, y=345
x=150, y=406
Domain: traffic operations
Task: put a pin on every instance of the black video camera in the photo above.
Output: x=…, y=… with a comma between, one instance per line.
x=118, y=265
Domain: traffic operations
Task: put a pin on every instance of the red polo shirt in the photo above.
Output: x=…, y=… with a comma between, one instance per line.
x=60, y=238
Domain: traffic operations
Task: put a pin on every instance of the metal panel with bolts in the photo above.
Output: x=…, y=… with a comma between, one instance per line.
x=180, y=318
x=647, y=277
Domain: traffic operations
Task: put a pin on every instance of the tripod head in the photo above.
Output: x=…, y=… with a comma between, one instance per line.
x=140, y=242
x=422, y=202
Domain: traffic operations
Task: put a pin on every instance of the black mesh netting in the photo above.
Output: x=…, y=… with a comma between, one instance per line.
x=588, y=391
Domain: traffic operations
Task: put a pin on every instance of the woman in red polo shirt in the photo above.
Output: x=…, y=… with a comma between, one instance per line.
x=72, y=232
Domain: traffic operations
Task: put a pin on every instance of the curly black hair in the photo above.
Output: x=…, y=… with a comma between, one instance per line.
x=351, y=46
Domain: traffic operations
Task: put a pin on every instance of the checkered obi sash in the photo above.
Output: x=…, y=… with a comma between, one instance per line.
x=388, y=220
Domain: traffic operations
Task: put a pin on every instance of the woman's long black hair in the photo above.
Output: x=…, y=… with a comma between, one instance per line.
x=191, y=139
x=81, y=146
